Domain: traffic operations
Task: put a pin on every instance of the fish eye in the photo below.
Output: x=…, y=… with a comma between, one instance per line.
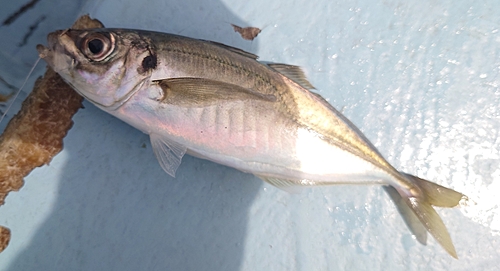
x=98, y=46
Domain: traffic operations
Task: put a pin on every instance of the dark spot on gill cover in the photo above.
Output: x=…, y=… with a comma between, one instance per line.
x=150, y=62
x=19, y=12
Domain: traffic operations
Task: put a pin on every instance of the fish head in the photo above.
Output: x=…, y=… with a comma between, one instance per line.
x=105, y=66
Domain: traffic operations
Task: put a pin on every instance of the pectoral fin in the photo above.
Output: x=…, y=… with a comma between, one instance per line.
x=198, y=92
x=168, y=153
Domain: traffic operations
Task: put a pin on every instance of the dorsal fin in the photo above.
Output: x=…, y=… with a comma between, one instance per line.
x=295, y=73
x=233, y=49
x=323, y=101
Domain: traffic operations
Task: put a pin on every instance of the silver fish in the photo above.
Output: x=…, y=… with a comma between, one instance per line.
x=219, y=103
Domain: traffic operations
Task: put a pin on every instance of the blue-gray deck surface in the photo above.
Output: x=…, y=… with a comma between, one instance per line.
x=419, y=78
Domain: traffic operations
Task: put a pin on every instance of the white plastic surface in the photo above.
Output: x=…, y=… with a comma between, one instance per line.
x=419, y=78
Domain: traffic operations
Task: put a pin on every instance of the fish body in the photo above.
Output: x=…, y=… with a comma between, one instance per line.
x=219, y=103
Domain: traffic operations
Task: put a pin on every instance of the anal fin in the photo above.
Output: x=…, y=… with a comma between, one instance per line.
x=290, y=186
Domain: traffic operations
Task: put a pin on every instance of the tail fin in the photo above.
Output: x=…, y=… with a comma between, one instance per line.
x=409, y=217
x=433, y=195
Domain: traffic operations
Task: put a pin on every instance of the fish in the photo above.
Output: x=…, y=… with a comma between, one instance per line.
x=219, y=103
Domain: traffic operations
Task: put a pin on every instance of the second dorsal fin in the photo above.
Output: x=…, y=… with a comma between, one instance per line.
x=295, y=73
x=233, y=49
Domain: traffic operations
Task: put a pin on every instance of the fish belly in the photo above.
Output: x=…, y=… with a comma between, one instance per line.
x=253, y=137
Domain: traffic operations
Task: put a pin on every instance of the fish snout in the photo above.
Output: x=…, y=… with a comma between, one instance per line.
x=54, y=37
x=52, y=44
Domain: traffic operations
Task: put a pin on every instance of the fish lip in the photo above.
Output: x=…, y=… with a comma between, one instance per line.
x=43, y=52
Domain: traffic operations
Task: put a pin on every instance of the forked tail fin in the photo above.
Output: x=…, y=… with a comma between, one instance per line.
x=433, y=195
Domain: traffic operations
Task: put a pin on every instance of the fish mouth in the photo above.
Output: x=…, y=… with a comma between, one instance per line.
x=60, y=43
x=43, y=52
x=52, y=40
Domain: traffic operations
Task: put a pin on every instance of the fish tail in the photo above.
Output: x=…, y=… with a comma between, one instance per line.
x=422, y=206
